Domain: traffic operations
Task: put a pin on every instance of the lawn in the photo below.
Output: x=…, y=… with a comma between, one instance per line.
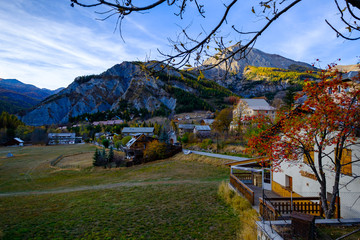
x=173, y=199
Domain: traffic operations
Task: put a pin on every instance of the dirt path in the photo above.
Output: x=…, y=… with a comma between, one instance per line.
x=102, y=186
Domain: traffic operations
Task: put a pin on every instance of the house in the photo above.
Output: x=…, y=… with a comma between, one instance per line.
x=172, y=137
x=185, y=128
x=132, y=131
x=202, y=131
x=134, y=149
x=61, y=138
x=15, y=142
x=109, y=122
x=298, y=180
x=207, y=122
x=247, y=108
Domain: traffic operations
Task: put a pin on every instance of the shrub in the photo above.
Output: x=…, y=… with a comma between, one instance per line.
x=154, y=150
x=206, y=143
x=105, y=143
x=117, y=144
x=125, y=140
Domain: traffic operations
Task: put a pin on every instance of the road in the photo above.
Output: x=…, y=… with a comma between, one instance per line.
x=215, y=155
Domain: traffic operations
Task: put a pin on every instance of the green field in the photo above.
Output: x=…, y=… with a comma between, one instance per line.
x=169, y=199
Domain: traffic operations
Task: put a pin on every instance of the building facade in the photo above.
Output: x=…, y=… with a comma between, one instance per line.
x=247, y=108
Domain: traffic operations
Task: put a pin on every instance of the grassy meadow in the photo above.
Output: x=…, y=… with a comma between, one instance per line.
x=175, y=198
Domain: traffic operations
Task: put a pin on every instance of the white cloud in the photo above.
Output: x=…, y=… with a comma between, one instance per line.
x=49, y=53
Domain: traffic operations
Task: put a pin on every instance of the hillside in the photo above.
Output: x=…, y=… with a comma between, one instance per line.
x=237, y=75
x=16, y=96
x=129, y=89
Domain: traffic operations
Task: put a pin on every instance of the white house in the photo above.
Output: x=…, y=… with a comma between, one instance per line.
x=299, y=178
x=61, y=138
x=249, y=108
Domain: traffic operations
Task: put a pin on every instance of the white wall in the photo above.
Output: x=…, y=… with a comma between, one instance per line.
x=304, y=186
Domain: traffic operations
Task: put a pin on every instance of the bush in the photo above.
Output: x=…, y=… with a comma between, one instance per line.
x=125, y=140
x=118, y=144
x=206, y=143
x=105, y=143
x=154, y=150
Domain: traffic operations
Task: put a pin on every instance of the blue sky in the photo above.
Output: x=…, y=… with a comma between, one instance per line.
x=48, y=43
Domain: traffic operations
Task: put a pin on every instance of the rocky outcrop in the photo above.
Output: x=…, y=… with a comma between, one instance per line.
x=91, y=94
x=231, y=74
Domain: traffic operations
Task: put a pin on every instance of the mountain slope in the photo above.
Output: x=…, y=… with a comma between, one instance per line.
x=141, y=88
x=16, y=96
x=232, y=76
x=255, y=57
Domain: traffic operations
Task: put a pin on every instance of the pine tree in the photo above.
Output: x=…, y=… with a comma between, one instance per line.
x=110, y=157
x=96, y=158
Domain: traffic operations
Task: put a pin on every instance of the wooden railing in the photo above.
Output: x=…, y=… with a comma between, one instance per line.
x=242, y=188
x=244, y=176
x=267, y=210
x=272, y=208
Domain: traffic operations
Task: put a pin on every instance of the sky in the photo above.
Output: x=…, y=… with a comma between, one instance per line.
x=49, y=43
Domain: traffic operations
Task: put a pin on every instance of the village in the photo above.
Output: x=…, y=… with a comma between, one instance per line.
x=286, y=194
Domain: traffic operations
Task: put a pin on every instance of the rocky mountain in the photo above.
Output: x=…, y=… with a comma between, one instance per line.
x=136, y=88
x=232, y=74
x=16, y=96
x=144, y=88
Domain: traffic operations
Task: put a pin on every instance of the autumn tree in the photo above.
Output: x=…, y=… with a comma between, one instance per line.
x=223, y=120
x=155, y=150
x=200, y=41
x=318, y=135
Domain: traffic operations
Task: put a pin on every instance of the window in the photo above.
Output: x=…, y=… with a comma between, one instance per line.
x=288, y=182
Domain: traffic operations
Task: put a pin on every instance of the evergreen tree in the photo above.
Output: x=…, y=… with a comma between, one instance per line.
x=164, y=137
x=110, y=157
x=96, y=158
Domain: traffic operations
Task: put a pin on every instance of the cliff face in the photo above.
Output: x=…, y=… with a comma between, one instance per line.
x=232, y=74
x=100, y=93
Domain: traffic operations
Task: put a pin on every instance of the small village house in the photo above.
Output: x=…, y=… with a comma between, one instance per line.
x=135, y=147
x=61, y=138
x=15, y=142
x=207, y=122
x=108, y=122
x=249, y=108
x=202, y=131
x=133, y=131
x=185, y=128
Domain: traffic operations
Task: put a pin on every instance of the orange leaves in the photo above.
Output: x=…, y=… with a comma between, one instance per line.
x=329, y=114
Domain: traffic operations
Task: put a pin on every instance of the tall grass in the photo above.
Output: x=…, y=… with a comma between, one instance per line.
x=242, y=207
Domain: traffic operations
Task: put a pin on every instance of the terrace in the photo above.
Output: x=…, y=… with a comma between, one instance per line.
x=254, y=183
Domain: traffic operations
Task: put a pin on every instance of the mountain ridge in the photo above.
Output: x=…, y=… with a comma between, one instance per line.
x=16, y=96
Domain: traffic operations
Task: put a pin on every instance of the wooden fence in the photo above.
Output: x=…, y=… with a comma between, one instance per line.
x=242, y=188
x=272, y=208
